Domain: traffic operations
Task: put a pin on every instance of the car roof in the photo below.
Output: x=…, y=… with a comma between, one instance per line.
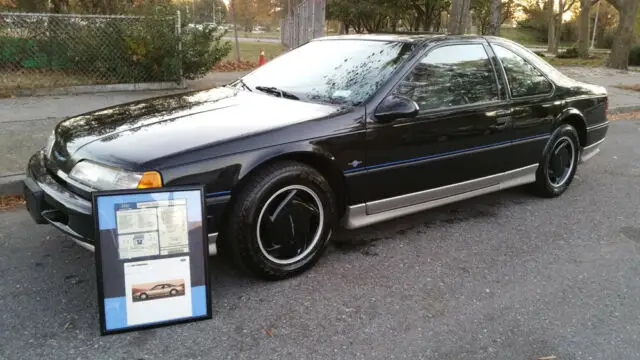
x=409, y=37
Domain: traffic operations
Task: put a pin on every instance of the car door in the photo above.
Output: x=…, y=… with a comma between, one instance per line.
x=461, y=133
x=533, y=105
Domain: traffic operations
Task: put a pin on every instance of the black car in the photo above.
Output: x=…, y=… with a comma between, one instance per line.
x=342, y=131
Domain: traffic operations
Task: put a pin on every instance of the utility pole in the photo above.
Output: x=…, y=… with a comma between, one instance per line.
x=235, y=29
x=595, y=25
x=214, y=12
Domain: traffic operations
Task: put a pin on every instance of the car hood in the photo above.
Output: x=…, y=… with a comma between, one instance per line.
x=141, y=131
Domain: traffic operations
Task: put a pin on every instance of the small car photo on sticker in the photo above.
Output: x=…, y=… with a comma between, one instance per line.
x=157, y=290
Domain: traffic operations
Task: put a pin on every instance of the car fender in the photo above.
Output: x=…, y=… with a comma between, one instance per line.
x=286, y=151
x=566, y=113
x=569, y=112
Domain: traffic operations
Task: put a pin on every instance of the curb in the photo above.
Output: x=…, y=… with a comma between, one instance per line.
x=92, y=89
x=12, y=184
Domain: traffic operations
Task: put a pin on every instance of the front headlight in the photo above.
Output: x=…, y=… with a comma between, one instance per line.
x=108, y=178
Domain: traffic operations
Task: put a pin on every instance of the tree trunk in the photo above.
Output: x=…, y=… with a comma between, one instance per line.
x=459, y=16
x=438, y=23
x=551, y=24
x=496, y=17
x=466, y=16
x=619, y=57
x=583, y=29
x=558, y=29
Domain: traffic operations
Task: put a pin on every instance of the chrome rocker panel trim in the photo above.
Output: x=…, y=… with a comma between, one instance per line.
x=590, y=151
x=362, y=215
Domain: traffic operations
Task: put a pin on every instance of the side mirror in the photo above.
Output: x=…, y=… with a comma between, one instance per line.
x=396, y=107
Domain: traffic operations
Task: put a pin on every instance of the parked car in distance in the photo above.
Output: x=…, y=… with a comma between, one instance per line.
x=343, y=131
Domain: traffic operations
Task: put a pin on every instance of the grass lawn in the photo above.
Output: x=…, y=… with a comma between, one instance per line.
x=596, y=61
x=264, y=35
x=526, y=37
x=250, y=51
x=520, y=35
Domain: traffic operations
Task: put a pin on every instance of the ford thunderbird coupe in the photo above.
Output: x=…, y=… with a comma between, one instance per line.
x=343, y=131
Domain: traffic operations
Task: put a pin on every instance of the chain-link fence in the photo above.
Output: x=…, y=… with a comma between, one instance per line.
x=51, y=50
x=304, y=23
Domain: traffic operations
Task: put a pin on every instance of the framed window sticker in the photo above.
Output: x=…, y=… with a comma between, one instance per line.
x=151, y=257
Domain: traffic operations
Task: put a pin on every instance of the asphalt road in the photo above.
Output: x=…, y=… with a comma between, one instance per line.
x=503, y=276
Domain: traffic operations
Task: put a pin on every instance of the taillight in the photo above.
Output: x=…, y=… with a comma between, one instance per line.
x=606, y=106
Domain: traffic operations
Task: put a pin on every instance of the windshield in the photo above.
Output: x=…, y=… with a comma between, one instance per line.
x=345, y=72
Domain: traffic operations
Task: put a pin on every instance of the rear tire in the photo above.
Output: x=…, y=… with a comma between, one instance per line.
x=280, y=223
x=559, y=164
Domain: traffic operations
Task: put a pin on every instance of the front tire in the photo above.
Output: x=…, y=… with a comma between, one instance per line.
x=281, y=221
x=560, y=162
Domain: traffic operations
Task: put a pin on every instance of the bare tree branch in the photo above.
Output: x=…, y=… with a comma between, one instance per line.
x=566, y=8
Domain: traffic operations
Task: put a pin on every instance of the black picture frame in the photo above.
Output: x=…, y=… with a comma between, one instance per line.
x=204, y=253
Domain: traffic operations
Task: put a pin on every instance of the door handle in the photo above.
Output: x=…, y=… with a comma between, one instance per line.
x=499, y=113
x=504, y=112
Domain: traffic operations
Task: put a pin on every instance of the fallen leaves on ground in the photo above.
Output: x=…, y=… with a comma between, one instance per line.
x=9, y=202
x=242, y=65
x=622, y=116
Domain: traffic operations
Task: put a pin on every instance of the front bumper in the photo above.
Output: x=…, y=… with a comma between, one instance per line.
x=49, y=202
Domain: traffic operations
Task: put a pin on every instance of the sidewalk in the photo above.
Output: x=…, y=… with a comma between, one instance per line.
x=25, y=123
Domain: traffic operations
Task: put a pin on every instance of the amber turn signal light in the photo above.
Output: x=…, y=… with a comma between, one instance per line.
x=150, y=179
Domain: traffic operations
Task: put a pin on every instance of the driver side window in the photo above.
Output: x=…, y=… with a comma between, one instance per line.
x=451, y=76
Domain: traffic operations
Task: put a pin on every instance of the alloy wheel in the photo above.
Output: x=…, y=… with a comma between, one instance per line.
x=561, y=161
x=290, y=224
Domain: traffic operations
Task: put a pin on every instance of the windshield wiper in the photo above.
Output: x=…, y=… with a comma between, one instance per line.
x=241, y=82
x=276, y=91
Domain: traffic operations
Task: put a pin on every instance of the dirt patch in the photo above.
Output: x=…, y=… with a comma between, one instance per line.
x=623, y=116
x=11, y=81
x=10, y=202
x=634, y=87
x=230, y=65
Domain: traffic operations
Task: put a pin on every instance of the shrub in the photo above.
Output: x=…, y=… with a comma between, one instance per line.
x=634, y=56
x=541, y=54
x=607, y=40
x=570, y=53
x=202, y=47
x=201, y=50
x=113, y=50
